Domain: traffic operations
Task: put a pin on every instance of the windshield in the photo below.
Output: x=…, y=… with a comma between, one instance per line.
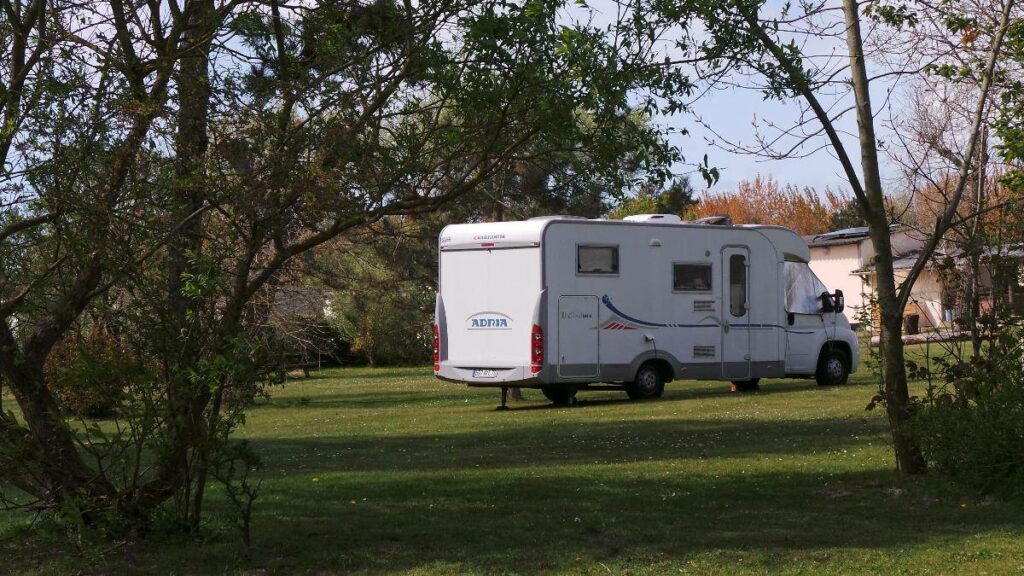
x=803, y=289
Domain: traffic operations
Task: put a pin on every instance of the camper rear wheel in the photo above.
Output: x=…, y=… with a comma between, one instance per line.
x=649, y=383
x=833, y=367
x=558, y=395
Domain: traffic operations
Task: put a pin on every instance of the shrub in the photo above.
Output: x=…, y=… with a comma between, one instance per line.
x=91, y=374
x=972, y=428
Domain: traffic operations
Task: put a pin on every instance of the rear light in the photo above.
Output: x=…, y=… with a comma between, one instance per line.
x=536, y=349
x=437, y=349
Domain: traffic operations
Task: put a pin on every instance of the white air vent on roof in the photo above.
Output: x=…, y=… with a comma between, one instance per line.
x=654, y=218
x=721, y=220
x=558, y=217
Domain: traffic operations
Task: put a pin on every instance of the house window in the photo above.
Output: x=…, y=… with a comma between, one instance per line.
x=738, y=285
x=597, y=259
x=691, y=277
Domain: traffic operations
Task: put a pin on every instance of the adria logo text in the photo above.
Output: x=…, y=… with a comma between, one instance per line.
x=489, y=321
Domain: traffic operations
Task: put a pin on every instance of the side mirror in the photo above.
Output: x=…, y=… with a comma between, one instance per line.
x=827, y=304
x=840, y=301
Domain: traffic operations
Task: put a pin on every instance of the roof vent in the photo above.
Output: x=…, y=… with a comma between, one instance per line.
x=723, y=220
x=667, y=218
x=558, y=217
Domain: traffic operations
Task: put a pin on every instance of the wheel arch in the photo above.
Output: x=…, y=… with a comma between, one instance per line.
x=664, y=367
x=840, y=345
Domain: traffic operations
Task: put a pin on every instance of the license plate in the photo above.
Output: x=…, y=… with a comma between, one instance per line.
x=485, y=373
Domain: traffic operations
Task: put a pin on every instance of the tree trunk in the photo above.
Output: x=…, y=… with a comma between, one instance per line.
x=909, y=459
x=897, y=397
x=976, y=244
x=972, y=296
x=44, y=453
x=187, y=402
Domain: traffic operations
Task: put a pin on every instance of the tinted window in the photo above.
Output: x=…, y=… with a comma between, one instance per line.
x=691, y=277
x=738, y=284
x=597, y=259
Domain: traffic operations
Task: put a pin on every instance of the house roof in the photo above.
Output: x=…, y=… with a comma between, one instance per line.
x=906, y=260
x=1010, y=250
x=844, y=236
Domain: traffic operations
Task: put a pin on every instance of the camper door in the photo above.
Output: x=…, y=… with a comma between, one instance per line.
x=736, y=313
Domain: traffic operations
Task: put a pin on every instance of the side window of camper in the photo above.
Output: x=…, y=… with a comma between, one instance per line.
x=597, y=259
x=691, y=277
x=738, y=285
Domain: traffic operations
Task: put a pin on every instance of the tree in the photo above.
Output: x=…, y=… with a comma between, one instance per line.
x=764, y=201
x=845, y=215
x=741, y=36
x=174, y=194
x=392, y=265
x=381, y=284
x=676, y=198
x=78, y=106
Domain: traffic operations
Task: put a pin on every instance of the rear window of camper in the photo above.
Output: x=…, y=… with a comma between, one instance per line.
x=597, y=259
x=691, y=277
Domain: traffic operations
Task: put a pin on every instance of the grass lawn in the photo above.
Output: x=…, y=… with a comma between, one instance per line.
x=389, y=470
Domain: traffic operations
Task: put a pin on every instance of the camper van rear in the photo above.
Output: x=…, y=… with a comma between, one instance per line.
x=490, y=290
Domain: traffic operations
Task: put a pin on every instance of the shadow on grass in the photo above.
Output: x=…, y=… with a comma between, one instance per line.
x=569, y=442
x=395, y=399
x=404, y=398
x=563, y=496
x=364, y=373
x=521, y=523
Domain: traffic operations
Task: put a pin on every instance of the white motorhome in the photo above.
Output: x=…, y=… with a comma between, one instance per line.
x=565, y=304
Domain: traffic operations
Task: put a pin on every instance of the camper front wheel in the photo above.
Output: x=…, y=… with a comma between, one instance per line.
x=649, y=383
x=833, y=368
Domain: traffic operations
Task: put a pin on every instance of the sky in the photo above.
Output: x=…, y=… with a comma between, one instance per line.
x=731, y=114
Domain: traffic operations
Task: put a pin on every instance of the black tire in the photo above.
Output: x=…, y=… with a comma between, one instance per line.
x=649, y=383
x=558, y=395
x=833, y=367
x=750, y=385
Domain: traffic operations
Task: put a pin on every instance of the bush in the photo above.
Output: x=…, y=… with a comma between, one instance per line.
x=91, y=374
x=385, y=327
x=972, y=429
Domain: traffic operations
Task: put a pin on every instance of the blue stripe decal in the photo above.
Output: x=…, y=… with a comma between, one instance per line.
x=607, y=301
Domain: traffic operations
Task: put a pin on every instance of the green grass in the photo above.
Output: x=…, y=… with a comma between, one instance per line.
x=389, y=470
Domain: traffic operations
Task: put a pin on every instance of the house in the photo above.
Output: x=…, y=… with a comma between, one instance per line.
x=844, y=260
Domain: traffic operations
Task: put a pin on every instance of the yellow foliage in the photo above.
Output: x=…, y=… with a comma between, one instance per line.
x=764, y=201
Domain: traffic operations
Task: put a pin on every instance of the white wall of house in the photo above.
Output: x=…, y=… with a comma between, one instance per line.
x=904, y=241
x=834, y=265
x=925, y=298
